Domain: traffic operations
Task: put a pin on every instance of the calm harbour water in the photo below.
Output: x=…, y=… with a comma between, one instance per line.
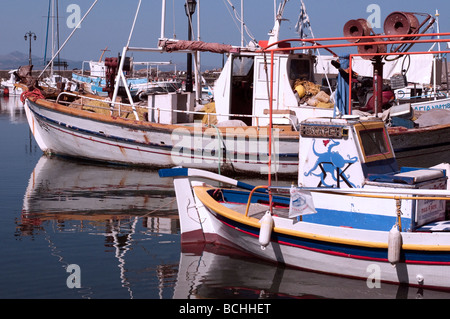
x=120, y=227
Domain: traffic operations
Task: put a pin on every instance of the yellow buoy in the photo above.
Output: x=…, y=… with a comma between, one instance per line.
x=300, y=90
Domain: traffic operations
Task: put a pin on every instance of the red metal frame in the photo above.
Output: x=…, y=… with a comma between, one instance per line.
x=271, y=48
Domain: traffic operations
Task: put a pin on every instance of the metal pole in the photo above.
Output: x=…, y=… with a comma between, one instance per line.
x=163, y=19
x=29, y=53
x=377, y=84
x=189, y=58
x=68, y=38
x=242, y=23
x=197, y=62
x=28, y=36
x=134, y=23
x=272, y=57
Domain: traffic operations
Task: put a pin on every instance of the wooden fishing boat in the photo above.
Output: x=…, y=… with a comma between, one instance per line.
x=422, y=146
x=353, y=212
x=77, y=131
x=228, y=135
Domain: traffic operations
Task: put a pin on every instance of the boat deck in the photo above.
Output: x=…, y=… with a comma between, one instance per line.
x=258, y=210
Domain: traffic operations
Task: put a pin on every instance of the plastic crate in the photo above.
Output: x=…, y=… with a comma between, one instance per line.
x=398, y=81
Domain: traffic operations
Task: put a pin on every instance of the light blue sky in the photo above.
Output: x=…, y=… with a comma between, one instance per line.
x=109, y=23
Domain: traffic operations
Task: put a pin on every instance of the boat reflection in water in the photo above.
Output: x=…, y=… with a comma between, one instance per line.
x=220, y=272
x=64, y=190
x=12, y=106
x=71, y=205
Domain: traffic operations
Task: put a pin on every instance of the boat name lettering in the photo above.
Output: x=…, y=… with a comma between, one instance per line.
x=325, y=131
x=426, y=107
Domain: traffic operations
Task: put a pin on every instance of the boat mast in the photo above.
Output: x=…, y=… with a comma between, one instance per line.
x=53, y=37
x=242, y=23
x=70, y=36
x=275, y=33
x=197, y=70
x=163, y=19
x=120, y=75
x=46, y=36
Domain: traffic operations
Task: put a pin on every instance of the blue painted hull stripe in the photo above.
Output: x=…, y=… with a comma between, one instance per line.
x=348, y=251
x=352, y=251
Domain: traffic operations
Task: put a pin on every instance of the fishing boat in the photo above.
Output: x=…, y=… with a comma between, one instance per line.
x=169, y=129
x=353, y=212
x=229, y=134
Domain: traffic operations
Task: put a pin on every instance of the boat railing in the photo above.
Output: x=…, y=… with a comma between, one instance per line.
x=159, y=110
x=395, y=194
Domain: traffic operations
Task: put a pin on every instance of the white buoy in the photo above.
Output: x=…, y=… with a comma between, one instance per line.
x=265, y=231
x=394, y=245
x=420, y=279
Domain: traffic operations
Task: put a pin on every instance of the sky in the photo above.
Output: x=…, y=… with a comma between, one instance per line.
x=109, y=23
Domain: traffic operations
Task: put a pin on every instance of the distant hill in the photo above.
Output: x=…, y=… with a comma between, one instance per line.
x=16, y=59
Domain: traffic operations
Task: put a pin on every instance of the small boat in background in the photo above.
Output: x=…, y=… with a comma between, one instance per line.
x=94, y=80
x=10, y=84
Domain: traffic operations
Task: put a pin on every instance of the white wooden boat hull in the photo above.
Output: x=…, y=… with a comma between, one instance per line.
x=348, y=235
x=131, y=144
x=443, y=104
x=12, y=89
x=82, y=134
x=339, y=251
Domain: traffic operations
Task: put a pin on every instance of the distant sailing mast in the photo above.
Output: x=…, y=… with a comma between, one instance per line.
x=53, y=13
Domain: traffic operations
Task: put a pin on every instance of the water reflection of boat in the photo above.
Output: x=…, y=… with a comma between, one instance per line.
x=13, y=107
x=59, y=189
x=220, y=272
x=124, y=206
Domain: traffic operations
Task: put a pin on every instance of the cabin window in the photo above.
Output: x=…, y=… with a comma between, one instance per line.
x=299, y=70
x=374, y=142
x=242, y=66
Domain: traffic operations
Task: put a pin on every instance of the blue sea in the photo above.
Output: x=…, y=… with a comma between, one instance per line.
x=79, y=230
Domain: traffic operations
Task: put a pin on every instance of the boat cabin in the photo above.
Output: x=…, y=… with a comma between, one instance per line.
x=343, y=152
x=244, y=87
x=357, y=153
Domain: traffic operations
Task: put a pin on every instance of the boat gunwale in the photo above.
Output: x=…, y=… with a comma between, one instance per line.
x=136, y=124
x=400, y=130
